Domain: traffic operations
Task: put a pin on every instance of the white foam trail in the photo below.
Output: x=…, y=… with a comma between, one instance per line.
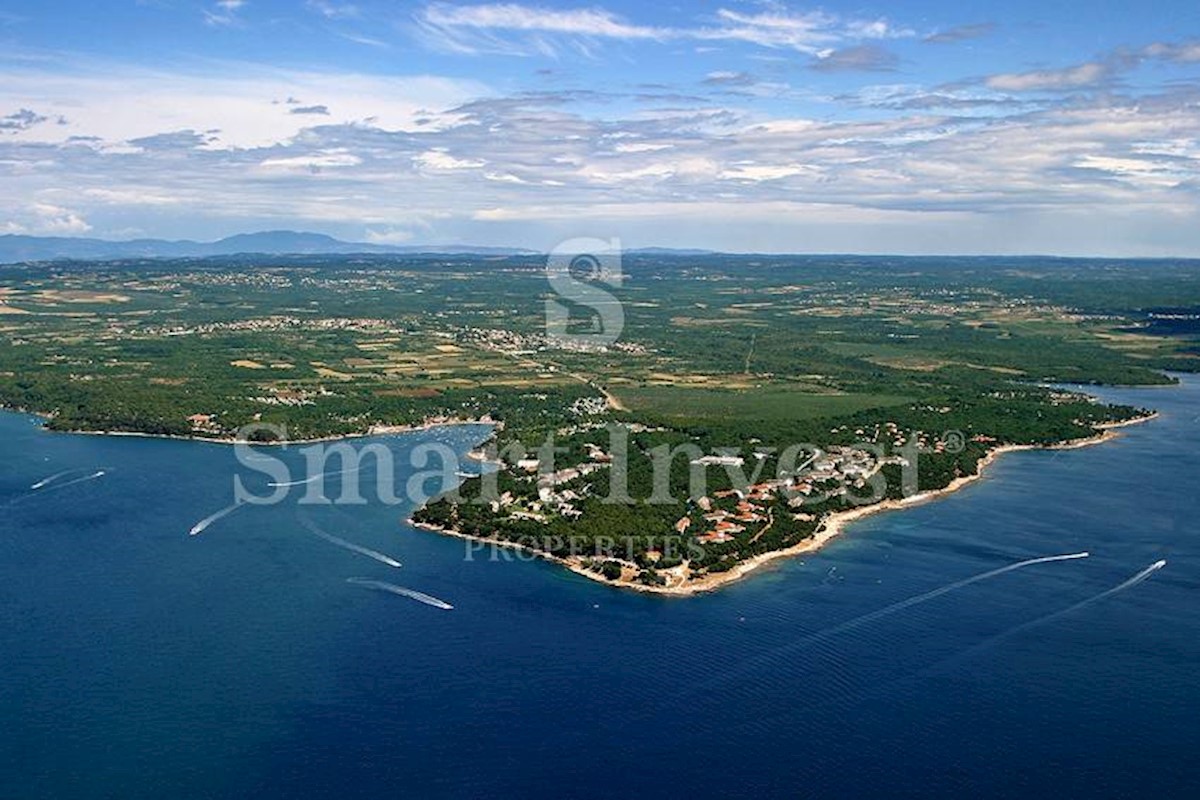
x=1011, y=632
x=382, y=586
x=921, y=598
x=902, y=605
x=97, y=474
x=1129, y=584
x=313, y=479
x=883, y=690
x=351, y=546
x=53, y=478
x=276, y=484
x=36, y=492
x=200, y=526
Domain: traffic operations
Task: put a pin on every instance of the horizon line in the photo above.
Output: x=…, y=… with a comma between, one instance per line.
x=453, y=248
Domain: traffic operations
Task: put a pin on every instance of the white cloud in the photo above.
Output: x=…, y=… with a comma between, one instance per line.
x=878, y=29
x=807, y=32
x=1081, y=76
x=21, y=120
x=331, y=10
x=1176, y=148
x=961, y=33
x=512, y=16
x=505, y=177
x=46, y=219
x=774, y=212
x=489, y=28
x=316, y=161
x=365, y=40
x=765, y=172
x=1096, y=73
x=389, y=236
x=860, y=58
x=224, y=12
x=1186, y=53
x=440, y=160
x=1136, y=171
x=131, y=196
x=445, y=159
x=232, y=102
x=516, y=29
x=641, y=147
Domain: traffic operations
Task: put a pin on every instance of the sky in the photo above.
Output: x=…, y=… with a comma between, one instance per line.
x=927, y=126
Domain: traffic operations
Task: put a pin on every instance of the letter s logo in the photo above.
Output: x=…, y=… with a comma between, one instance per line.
x=598, y=260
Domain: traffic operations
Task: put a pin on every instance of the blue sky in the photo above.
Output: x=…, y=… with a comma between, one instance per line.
x=918, y=127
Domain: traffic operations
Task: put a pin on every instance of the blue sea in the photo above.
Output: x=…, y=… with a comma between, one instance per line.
x=137, y=661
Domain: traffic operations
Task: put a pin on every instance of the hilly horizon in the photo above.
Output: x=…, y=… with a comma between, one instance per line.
x=18, y=248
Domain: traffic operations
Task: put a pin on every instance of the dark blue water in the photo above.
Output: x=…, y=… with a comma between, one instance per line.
x=136, y=661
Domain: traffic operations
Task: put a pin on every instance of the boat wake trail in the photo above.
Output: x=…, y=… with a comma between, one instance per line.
x=351, y=546
x=313, y=479
x=921, y=598
x=100, y=473
x=392, y=588
x=45, y=486
x=47, y=481
x=1011, y=632
x=203, y=524
x=773, y=655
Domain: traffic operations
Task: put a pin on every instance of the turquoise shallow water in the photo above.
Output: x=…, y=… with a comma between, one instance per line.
x=136, y=661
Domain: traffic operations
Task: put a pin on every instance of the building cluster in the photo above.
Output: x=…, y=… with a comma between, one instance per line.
x=204, y=423
x=266, y=324
x=512, y=343
x=553, y=496
x=725, y=514
x=828, y=472
x=257, y=278
x=589, y=406
x=498, y=340
x=292, y=397
x=890, y=434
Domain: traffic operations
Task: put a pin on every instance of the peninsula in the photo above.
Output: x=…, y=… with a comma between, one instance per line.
x=748, y=409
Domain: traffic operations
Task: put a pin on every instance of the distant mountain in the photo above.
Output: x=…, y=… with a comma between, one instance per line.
x=14, y=248
x=288, y=242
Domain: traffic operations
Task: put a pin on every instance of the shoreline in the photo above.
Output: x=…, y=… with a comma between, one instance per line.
x=831, y=527
x=373, y=431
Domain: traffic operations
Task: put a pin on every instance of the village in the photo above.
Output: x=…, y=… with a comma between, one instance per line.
x=746, y=509
x=513, y=343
